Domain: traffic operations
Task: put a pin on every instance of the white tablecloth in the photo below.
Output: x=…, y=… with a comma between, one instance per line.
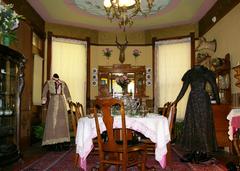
x=152, y=126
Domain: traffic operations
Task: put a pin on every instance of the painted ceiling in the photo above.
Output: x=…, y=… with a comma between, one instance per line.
x=91, y=14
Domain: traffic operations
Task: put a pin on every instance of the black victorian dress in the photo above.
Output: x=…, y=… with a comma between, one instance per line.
x=198, y=131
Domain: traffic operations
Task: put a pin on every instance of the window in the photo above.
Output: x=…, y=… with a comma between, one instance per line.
x=69, y=61
x=172, y=60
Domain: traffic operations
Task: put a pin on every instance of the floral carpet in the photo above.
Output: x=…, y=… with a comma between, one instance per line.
x=64, y=161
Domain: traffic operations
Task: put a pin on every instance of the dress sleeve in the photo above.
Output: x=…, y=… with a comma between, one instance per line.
x=212, y=82
x=186, y=81
x=67, y=93
x=44, y=93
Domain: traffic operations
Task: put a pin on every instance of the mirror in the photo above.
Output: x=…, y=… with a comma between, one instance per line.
x=109, y=74
x=115, y=88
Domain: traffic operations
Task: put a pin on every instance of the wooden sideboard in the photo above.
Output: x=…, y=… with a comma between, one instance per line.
x=220, y=112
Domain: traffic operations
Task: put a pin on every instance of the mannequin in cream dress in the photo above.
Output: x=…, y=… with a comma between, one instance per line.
x=56, y=128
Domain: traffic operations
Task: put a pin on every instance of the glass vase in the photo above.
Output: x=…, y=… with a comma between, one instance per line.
x=124, y=90
x=6, y=40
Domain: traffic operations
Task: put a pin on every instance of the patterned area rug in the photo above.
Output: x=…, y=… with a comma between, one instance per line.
x=64, y=161
x=211, y=165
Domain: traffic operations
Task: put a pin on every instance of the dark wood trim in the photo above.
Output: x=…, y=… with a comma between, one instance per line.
x=88, y=73
x=219, y=10
x=43, y=62
x=153, y=67
x=68, y=37
x=172, y=38
x=192, y=36
x=49, y=54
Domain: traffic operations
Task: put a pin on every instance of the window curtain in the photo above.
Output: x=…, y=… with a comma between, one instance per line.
x=172, y=60
x=69, y=61
x=37, y=79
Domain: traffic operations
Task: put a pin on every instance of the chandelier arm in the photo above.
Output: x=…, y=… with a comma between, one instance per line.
x=124, y=14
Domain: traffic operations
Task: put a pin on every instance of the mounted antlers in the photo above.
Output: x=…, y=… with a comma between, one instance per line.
x=122, y=48
x=206, y=45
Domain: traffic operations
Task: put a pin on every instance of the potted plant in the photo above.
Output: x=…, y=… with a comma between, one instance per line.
x=9, y=22
x=38, y=131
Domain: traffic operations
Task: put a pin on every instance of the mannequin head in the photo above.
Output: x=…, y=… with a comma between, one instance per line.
x=55, y=75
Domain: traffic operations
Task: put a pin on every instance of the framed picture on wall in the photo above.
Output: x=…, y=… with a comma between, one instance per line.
x=149, y=82
x=148, y=70
x=94, y=83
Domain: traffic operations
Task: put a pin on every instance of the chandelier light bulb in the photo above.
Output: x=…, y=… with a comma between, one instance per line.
x=107, y=3
x=126, y=3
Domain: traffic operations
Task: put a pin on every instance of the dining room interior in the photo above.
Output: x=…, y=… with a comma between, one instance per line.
x=137, y=53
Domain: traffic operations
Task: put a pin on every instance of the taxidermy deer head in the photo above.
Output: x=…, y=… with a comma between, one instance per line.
x=206, y=45
x=122, y=48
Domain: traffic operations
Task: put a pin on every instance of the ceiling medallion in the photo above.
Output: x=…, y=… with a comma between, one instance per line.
x=125, y=10
x=139, y=8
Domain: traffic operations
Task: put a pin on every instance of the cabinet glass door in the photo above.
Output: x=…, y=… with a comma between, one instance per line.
x=8, y=87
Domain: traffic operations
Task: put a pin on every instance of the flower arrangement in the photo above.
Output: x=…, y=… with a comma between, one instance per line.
x=136, y=52
x=9, y=20
x=123, y=81
x=107, y=52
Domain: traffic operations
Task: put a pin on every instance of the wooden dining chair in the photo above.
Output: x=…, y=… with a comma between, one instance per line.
x=79, y=110
x=75, y=113
x=171, y=113
x=113, y=151
x=166, y=108
x=236, y=145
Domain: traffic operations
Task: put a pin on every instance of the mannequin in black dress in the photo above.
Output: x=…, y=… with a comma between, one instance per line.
x=199, y=132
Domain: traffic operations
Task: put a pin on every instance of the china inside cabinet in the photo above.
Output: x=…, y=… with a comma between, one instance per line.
x=107, y=79
x=223, y=80
x=11, y=84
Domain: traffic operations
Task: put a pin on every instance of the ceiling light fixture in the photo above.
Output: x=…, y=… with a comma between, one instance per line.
x=125, y=10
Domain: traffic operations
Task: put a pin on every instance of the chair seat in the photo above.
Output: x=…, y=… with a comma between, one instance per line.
x=129, y=142
x=130, y=148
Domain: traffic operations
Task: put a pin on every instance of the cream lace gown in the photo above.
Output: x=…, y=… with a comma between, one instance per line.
x=56, y=127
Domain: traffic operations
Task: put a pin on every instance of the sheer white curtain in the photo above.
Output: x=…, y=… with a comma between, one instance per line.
x=172, y=60
x=37, y=79
x=69, y=61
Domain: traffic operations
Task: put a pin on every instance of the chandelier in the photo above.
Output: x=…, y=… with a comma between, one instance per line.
x=125, y=10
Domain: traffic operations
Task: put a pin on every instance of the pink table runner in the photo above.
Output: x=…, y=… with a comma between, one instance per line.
x=234, y=122
x=152, y=126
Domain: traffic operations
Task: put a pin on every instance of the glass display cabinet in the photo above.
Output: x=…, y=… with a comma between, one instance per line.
x=107, y=84
x=11, y=84
x=223, y=80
